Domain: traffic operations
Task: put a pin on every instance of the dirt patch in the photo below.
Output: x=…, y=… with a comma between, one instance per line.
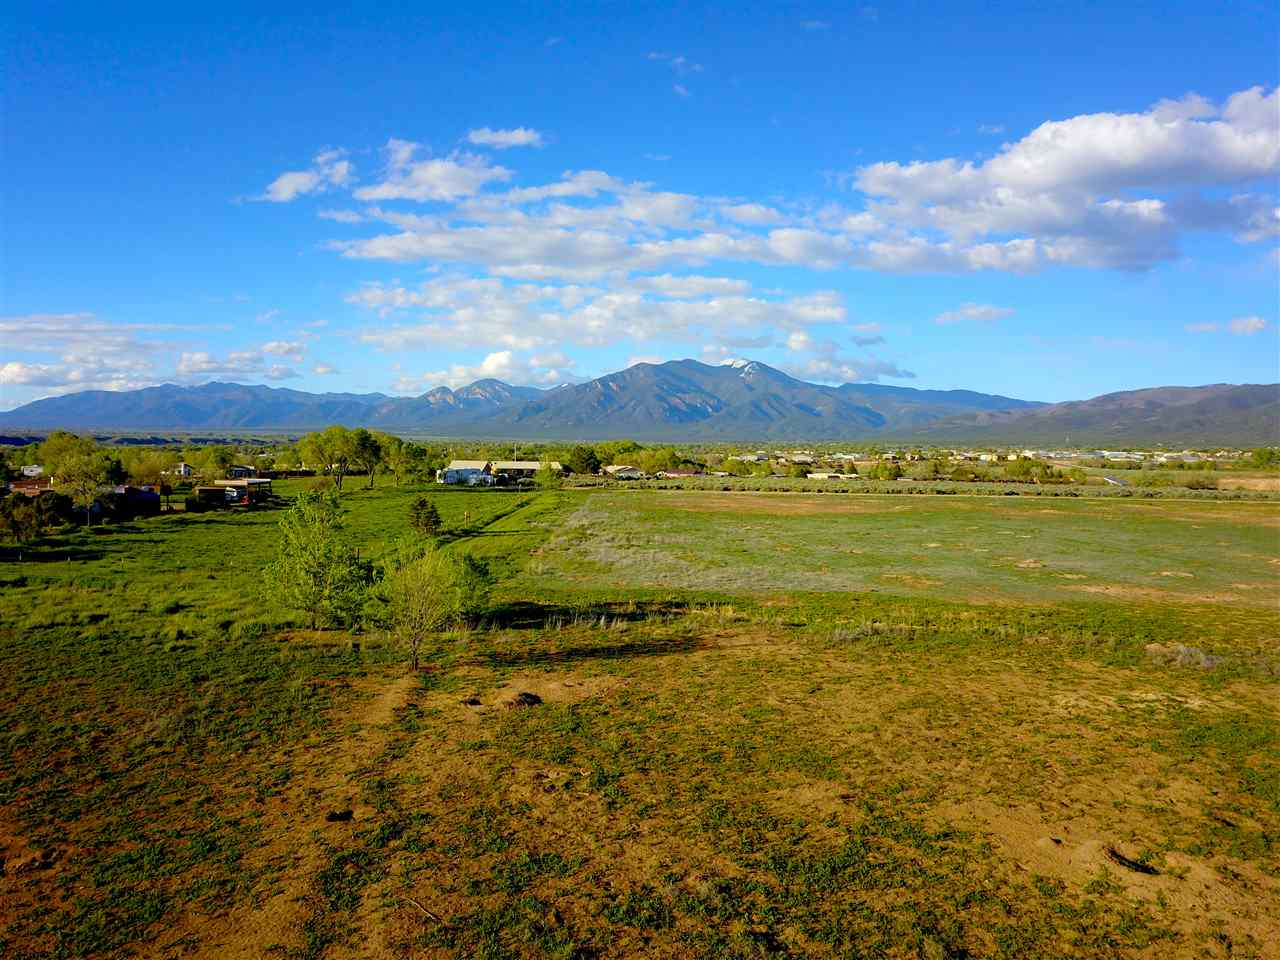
x=1152, y=594
x=1176, y=573
x=27, y=870
x=1200, y=895
x=1029, y=565
x=911, y=579
x=324, y=782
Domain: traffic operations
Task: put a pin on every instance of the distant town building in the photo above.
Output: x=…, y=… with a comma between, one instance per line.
x=471, y=473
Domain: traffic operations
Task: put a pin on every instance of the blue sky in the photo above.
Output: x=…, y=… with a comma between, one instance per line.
x=1046, y=201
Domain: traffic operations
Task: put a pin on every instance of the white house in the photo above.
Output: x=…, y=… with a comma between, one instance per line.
x=624, y=472
x=181, y=470
x=472, y=473
x=32, y=470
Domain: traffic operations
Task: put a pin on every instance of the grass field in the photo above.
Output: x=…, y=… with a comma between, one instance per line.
x=770, y=725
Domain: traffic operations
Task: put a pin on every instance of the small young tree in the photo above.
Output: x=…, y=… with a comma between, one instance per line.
x=428, y=590
x=315, y=570
x=424, y=517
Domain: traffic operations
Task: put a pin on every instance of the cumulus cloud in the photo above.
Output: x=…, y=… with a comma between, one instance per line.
x=201, y=364
x=836, y=369
x=826, y=363
x=645, y=358
x=752, y=213
x=546, y=369
x=466, y=311
x=505, y=139
x=291, y=349
x=983, y=312
x=1248, y=326
x=329, y=169
x=1067, y=186
x=324, y=369
x=439, y=178
x=80, y=351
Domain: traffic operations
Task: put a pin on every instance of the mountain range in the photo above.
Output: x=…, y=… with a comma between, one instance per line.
x=685, y=400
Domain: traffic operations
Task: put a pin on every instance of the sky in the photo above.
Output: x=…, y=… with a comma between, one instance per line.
x=1047, y=201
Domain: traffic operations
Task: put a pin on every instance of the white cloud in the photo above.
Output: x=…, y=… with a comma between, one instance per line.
x=524, y=316
x=202, y=363
x=687, y=287
x=342, y=216
x=324, y=369
x=505, y=139
x=644, y=358
x=1060, y=185
x=329, y=169
x=984, y=312
x=79, y=351
x=443, y=179
x=546, y=369
x=292, y=349
x=838, y=369
x=680, y=89
x=1248, y=326
x=754, y=214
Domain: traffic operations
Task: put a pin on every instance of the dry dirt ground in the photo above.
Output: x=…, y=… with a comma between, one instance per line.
x=693, y=788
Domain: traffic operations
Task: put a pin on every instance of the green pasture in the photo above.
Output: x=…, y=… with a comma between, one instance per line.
x=769, y=725
x=979, y=549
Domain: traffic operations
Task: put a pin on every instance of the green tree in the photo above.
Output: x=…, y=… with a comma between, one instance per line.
x=82, y=475
x=547, y=478
x=315, y=570
x=428, y=590
x=287, y=458
x=148, y=466
x=19, y=518
x=395, y=457
x=1265, y=458
x=582, y=459
x=424, y=517
x=366, y=452
x=60, y=444
x=330, y=452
